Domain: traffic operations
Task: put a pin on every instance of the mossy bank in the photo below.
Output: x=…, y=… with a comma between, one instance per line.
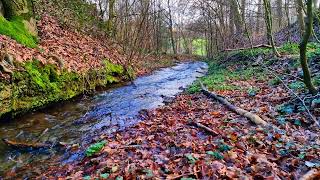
x=36, y=85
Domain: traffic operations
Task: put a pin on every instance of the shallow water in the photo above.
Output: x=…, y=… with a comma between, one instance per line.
x=78, y=121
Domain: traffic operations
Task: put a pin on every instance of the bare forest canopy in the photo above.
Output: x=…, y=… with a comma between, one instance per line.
x=202, y=27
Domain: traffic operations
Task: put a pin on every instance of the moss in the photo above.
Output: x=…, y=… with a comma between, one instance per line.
x=39, y=85
x=219, y=76
x=15, y=29
x=112, y=70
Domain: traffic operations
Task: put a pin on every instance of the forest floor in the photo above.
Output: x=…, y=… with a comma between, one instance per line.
x=166, y=145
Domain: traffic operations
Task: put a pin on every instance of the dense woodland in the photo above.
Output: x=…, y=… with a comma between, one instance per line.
x=254, y=114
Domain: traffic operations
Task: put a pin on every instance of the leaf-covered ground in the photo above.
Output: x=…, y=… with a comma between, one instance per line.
x=78, y=52
x=167, y=146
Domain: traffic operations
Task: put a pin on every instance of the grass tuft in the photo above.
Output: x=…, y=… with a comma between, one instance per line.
x=17, y=31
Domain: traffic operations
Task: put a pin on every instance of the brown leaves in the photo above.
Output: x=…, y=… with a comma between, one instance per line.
x=79, y=52
x=165, y=146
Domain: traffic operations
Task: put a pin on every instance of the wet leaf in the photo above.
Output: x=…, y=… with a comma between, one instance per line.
x=104, y=176
x=94, y=148
x=191, y=158
x=312, y=164
x=216, y=155
x=224, y=147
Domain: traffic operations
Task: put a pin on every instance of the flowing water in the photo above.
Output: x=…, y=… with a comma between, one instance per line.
x=78, y=121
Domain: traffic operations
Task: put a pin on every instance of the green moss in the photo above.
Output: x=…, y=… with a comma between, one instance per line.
x=95, y=148
x=17, y=31
x=219, y=76
x=289, y=48
x=111, y=71
x=39, y=85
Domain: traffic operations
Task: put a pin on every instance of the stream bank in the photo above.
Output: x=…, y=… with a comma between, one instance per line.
x=35, y=85
x=78, y=123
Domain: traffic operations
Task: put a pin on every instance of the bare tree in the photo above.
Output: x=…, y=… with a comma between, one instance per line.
x=303, y=49
x=268, y=19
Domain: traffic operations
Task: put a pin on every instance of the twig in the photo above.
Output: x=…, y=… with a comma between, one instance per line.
x=182, y=175
x=295, y=94
x=43, y=133
x=130, y=146
x=199, y=125
x=253, y=47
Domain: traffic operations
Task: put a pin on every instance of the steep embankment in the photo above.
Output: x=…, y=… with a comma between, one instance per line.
x=63, y=65
x=60, y=64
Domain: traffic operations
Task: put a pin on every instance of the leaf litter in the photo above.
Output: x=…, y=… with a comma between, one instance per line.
x=166, y=146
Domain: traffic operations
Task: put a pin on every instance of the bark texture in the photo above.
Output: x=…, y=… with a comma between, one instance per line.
x=303, y=49
x=268, y=19
x=237, y=16
x=299, y=4
x=112, y=15
x=1, y=9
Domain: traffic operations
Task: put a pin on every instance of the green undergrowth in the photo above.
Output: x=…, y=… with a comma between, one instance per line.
x=17, y=31
x=235, y=66
x=38, y=85
x=220, y=77
x=95, y=148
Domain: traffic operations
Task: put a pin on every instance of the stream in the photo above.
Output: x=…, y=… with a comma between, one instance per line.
x=79, y=121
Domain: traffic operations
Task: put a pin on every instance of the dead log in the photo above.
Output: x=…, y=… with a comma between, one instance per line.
x=253, y=47
x=23, y=145
x=252, y=117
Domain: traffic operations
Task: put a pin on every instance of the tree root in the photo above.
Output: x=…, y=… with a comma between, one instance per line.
x=252, y=117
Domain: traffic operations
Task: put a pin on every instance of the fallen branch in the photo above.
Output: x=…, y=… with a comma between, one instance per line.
x=199, y=125
x=253, y=47
x=252, y=117
x=23, y=145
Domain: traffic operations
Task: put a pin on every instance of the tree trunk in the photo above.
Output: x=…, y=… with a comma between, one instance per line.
x=258, y=17
x=237, y=16
x=279, y=13
x=316, y=4
x=231, y=21
x=243, y=10
x=303, y=49
x=268, y=19
x=112, y=15
x=299, y=5
x=1, y=9
x=288, y=19
x=21, y=9
x=171, y=30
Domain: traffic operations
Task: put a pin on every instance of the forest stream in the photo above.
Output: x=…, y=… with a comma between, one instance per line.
x=77, y=122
